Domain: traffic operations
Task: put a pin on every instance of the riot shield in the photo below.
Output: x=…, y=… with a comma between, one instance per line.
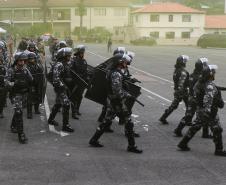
x=108, y=64
x=134, y=90
x=98, y=87
x=79, y=81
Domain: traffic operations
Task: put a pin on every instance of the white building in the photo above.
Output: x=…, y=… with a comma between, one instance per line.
x=169, y=23
x=63, y=14
x=215, y=24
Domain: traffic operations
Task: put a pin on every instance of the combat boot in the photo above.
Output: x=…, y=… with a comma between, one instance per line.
x=177, y=132
x=220, y=153
x=74, y=115
x=94, y=140
x=52, y=115
x=163, y=120
x=37, y=109
x=22, y=138
x=1, y=115
x=183, y=145
x=134, y=149
x=67, y=128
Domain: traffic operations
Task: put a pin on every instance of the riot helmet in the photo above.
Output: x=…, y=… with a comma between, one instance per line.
x=200, y=63
x=31, y=47
x=181, y=61
x=32, y=57
x=131, y=55
x=62, y=44
x=124, y=60
x=20, y=56
x=79, y=49
x=209, y=72
x=119, y=50
x=64, y=53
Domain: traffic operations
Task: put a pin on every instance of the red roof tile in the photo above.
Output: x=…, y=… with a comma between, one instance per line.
x=215, y=21
x=167, y=8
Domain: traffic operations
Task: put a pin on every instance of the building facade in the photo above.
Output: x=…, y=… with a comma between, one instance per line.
x=64, y=17
x=169, y=23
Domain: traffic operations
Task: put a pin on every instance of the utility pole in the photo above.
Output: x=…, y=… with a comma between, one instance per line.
x=81, y=9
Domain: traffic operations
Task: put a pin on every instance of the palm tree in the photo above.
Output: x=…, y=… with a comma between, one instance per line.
x=81, y=10
x=44, y=7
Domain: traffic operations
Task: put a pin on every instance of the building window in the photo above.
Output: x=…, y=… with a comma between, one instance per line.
x=120, y=12
x=186, y=18
x=170, y=18
x=100, y=11
x=137, y=18
x=154, y=34
x=77, y=12
x=185, y=35
x=170, y=35
x=154, y=18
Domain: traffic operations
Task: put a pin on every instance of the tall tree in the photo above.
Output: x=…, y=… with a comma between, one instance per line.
x=81, y=10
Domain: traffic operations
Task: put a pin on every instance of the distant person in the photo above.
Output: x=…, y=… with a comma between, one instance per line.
x=109, y=45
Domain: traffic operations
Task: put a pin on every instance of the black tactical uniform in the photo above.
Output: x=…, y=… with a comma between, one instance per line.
x=181, y=81
x=3, y=88
x=208, y=99
x=34, y=95
x=116, y=105
x=190, y=111
x=79, y=66
x=119, y=51
x=61, y=90
x=20, y=79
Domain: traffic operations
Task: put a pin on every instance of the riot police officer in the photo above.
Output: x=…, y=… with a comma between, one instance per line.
x=20, y=79
x=61, y=90
x=116, y=105
x=79, y=66
x=181, y=80
x=190, y=111
x=209, y=100
x=34, y=95
x=119, y=51
x=3, y=90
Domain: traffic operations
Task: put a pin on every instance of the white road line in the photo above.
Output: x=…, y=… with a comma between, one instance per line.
x=51, y=127
x=155, y=94
x=150, y=97
x=147, y=90
x=148, y=74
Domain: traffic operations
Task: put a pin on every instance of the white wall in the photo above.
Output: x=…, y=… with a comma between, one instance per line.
x=197, y=20
x=109, y=21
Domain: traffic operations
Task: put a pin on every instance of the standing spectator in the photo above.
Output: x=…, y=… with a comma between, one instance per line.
x=109, y=44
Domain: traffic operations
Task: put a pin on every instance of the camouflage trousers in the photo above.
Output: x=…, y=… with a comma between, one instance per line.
x=118, y=108
x=63, y=101
x=189, y=114
x=213, y=123
x=177, y=99
x=17, y=102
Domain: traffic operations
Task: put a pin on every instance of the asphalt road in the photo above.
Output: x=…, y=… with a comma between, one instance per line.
x=54, y=159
